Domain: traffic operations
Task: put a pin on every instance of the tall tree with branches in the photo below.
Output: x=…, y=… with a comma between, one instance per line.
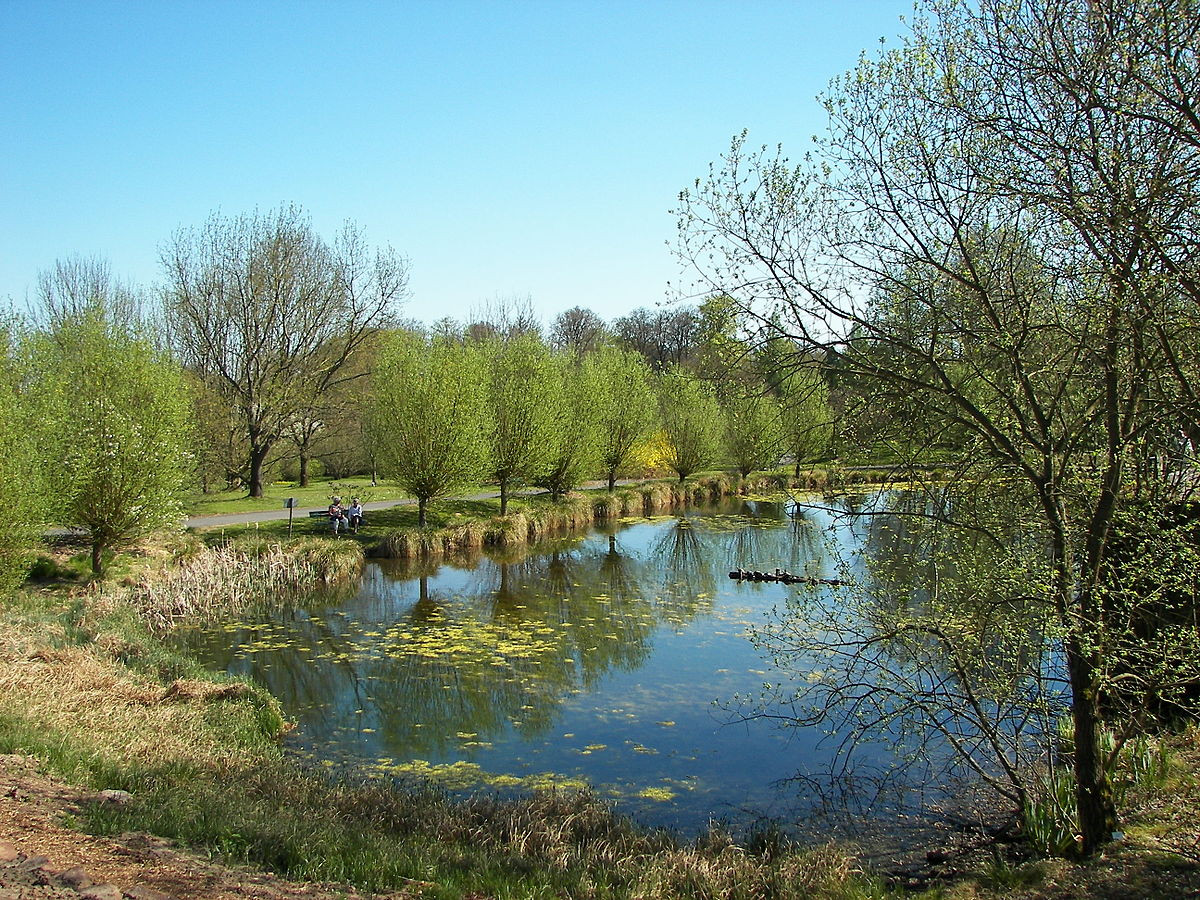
x=997, y=241
x=269, y=314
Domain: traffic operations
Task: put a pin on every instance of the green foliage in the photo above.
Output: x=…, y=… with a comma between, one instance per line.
x=116, y=426
x=807, y=415
x=753, y=431
x=1148, y=637
x=524, y=399
x=574, y=450
x=622, y=405
x=20, y=471
x=429, y=404
x=691, y=421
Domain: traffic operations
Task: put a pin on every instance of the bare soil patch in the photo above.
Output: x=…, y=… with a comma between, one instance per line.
x=34, y=814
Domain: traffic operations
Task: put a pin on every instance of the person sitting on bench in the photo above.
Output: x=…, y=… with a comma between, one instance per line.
x=354, y=515
x=337, y=515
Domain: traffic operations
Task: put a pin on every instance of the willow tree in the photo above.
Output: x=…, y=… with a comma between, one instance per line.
x=753, y=430
x=807, y=415
x=996, y=240
x=270, y=315
x=115, y=422
x=573, y=452
x=20, y=468
x=691, y=420
x=523, y=397
x=623, y=405
x=428, y=403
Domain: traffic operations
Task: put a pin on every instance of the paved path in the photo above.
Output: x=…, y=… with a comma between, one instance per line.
x=301, y=513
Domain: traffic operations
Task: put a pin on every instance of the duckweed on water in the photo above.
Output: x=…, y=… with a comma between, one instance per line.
x=468, y=776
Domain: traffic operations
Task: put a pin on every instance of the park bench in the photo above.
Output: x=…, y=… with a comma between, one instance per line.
x=323, y=516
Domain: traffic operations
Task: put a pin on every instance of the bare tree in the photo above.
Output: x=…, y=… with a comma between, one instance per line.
x=78, y=284
x=577, y=330
x=503, y=317
x=666, y=338
x=269, y=314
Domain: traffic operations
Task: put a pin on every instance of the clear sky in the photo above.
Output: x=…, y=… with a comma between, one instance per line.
x=509, y=148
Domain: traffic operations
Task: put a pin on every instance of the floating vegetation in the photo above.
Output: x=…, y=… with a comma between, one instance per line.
x=660, y=794
x=466, y=776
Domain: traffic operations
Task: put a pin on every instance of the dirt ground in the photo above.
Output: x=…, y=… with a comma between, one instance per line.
x=42, y=858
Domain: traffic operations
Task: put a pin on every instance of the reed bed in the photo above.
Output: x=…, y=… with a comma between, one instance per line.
x=208, y=582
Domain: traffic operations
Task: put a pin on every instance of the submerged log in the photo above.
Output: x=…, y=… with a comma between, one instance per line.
x=781, y=576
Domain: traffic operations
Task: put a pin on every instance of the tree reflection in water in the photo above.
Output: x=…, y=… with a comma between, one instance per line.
x=938, y=648
x=598, y=655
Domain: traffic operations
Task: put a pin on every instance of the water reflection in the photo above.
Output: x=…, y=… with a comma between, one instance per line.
x=607, y=657
x=939, y=648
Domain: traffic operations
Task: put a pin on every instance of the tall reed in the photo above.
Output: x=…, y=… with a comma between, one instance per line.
x=220, y=580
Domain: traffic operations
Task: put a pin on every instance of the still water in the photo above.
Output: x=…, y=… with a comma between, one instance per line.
x=615, y=659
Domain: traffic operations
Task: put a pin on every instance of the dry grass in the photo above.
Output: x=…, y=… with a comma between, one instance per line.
x=213, y=581
x=110, y=710
x=730, y=872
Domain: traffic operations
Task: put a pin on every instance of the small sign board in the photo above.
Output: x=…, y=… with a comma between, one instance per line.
x=289, y=502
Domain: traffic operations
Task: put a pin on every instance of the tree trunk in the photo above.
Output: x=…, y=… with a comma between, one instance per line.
x=1095, y=811
x=97, y=557
x=421, y=502
x=1093, y=794
x=258, y=456
x=612, y=480
x=303, y=468
x=1093, y=784
x=504, y=496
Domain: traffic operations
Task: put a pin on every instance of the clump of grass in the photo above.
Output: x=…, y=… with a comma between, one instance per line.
x=727, y=871
x=417, y=543
x=329, y=561
x=1048, y=818
x=212, y=581
x=813, y=479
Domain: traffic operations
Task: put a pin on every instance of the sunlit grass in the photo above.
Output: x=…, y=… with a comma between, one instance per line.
x=317, y=494
x=89, y=694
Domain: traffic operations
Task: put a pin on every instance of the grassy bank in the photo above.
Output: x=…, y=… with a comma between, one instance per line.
x=93, y=693
x=537, y=518
x=316, y=494
x=103, y=704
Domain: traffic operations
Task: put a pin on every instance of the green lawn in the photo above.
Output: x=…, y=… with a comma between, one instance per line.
x=318, y=493
x=442, y=513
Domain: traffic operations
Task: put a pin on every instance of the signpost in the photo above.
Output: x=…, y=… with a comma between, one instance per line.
x=289, y=504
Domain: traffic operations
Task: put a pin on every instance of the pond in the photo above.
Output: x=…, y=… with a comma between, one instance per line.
x=614, y=658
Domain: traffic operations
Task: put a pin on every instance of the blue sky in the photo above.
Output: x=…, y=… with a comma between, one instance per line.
x=509, y=149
